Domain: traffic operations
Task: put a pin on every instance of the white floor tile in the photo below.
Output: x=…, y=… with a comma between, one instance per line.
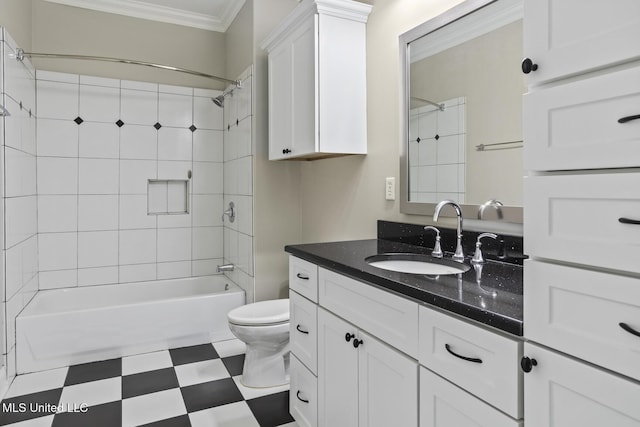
x=201, y=372
x=252, y=393
x=232, y=415
x=37, y=381
x=152, y=407
x=36, y=422
x=92, y=393
x=229, y=348
x=293, y=424
x=146, y=362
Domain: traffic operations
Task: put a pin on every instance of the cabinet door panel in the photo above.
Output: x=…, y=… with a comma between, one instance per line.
x=565, y=37
x=388, y=385
x=280, y=108
x=303, y=397
x=337, y=372
x=560, y=391
x=303, y=335
x=579, y=312
x=303, y=278
x=575, y=125
x=575, y=218
x=442, y=404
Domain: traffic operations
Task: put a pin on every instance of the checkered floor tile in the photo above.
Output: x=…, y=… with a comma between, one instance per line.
x=191, y=386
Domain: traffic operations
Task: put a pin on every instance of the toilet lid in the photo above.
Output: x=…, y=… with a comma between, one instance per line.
x=261, y=313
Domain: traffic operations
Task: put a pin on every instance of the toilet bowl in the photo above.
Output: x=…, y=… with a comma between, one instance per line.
x=264, y=328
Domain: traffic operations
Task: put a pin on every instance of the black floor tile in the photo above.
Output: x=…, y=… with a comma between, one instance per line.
x=94, y=371
x=181, y=421
x=271, y=410
x=211, y=394
x=234, y=364
x=196, y=353
x=105, y=415
x=149, y=382
x=29, y=406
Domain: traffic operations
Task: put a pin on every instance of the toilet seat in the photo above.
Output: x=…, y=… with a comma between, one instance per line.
x=261, y=313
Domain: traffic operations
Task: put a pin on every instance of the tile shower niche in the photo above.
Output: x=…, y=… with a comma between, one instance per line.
x=168, y=197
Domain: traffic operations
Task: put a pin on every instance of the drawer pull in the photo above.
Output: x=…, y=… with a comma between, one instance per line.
x=300, y=276
x=629, y=329
x=348, y=336
x=468, y=359
x=301, y=399
x=301, y=330
x=629, y=221
x=527, y=363
x=356, y=343
x=629, y=118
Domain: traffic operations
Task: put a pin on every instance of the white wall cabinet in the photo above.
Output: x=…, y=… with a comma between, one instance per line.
x=566, y=37
x=582, y=225
x=317, y=81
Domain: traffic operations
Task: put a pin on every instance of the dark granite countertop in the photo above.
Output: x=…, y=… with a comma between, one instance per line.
x=493, y=298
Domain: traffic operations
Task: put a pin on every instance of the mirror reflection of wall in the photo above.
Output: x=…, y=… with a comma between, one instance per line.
x=481, y=78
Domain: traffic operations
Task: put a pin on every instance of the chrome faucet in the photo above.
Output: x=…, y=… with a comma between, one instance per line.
x=437, y=250
x=459, y=253
x=225, y=267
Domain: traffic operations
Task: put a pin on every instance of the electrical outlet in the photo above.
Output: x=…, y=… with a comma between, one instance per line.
x=390, y=188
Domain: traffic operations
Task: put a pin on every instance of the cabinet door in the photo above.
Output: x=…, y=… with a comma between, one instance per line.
x=388, y=392
x=560, y=391
x=442, y=404
x=303, y=336
x=337, y=372
x=303, y=397
x=565, y=37
x=583, y=219
x=280, y=107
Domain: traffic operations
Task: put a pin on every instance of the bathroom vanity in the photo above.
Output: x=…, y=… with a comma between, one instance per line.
x=373, y=347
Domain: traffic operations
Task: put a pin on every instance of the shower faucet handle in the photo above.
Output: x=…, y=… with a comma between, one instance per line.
x=437, y=249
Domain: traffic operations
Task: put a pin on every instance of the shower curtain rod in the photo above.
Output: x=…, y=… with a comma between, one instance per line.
x=435, y=104
x=21, y=54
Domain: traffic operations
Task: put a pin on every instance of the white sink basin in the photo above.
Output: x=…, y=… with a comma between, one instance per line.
x=416, y=264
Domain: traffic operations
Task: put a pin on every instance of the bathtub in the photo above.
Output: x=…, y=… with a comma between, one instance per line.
x=64, y=327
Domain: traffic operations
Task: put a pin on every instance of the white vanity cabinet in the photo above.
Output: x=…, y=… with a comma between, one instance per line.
x=317, y=81
x=566, y=37
x=582, y=213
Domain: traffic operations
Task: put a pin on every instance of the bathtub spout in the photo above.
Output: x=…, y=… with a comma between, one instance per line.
x=225, y=267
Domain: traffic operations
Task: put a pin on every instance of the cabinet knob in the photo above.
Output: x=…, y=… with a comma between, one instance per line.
x=527, y=363
x=286, y=151
x=528, y=66
x=349, y=336
x=356, y=343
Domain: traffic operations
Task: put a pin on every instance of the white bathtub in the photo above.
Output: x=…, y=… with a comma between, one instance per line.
x=64, y=327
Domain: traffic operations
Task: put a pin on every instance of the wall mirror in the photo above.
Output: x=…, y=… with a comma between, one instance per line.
x=462, y=111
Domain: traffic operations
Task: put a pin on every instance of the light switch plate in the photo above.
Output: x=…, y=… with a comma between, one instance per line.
x=390, y=188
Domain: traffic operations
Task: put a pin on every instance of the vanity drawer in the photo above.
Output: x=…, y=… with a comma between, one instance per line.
x=303, y=278
x=580, y=312
x=575, y=125
x=480, y=361
x=576, y=218
x=390, y=318
x=303, y=397
x=442, y=404
x=303, y=334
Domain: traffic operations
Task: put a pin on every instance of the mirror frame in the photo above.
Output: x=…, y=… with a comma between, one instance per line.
x=513, y=214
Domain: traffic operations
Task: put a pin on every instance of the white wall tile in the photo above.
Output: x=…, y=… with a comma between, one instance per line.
x=244, y=214
x=177, y=197
x=21, y=219
x=57, y=213
x=138, y=142
x=245, y=253
x=55, y=76
x=99, y=104
x=173, y=270
x=243, y=139
x=135, y=85
x=137, y=246
x=205, y=267
x=138, y=107
x=448, y=150
x=99, y=81
x=133, y=213
x=99, y=140
x=57, y=100
x=178, y=90
x=174, y=244
x=245, y=176
x=230, y=172
x=137, y=273
x=135, y=175
x=206, y=115
x=97, y=276
x=174, y=169
x=20, y=173
x=244, y=98
x=428, y=125
x=57, y=138
x=449, y=121
x=157, y=197
x=98, y=176
x=427, y=152
x=207, y=210
x=174, y=144
x=97, y=249
x=174, y=221
x=208, y=145
x=13, y=271
x=175, y=110
x=207, y=178
x=58, y=279
x=58, y=251
x=96, y=213
x=447, y=178
x=427, y=178
x=57, y=175
x=207, y=242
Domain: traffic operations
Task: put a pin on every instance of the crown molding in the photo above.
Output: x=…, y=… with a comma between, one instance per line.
x=142, y=10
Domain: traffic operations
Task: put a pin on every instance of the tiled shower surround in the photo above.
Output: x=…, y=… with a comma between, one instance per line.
x=76, y=205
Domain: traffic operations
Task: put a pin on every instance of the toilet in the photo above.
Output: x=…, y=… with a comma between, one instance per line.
x=264, y=328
